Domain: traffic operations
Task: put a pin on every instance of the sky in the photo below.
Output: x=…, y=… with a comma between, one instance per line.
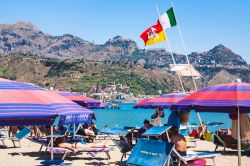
x=204, y=23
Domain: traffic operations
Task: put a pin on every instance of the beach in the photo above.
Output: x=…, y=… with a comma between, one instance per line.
x=29, y=155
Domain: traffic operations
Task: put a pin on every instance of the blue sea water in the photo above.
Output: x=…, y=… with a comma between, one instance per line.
x=128, y=116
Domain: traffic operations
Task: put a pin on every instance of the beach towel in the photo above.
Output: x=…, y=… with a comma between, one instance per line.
x=244, y=128
x=196, y=162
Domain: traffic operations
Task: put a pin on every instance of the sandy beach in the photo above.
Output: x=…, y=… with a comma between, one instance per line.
x=28, y=155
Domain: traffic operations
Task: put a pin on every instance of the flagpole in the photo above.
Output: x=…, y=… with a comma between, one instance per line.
x=171, y=52
x=184, y=47
x=185, y=52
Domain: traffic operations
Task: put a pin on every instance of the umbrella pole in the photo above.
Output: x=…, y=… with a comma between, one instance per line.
x=52, y=142
x=239, y=139
x=74, y=129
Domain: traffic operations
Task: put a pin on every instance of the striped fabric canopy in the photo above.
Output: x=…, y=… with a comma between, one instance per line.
x=81, y=100
x=162, y=101
x=25, y=104
x=219, y=98
x=142, y=103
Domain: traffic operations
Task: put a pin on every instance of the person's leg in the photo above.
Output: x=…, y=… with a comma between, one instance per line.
x=67, y=146
x=10, y=131
x=91, y=145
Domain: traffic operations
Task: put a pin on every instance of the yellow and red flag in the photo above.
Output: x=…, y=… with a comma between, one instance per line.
x=153, y=35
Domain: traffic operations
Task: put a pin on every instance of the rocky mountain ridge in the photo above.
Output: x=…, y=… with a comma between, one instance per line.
x=23, y=37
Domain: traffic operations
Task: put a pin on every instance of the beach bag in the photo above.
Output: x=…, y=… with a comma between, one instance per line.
x=184, y=117
x=208, y=136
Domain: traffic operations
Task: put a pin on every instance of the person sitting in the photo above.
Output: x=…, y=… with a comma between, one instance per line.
x=35, y=131
x=92, y=127
x=156, y=117
x=202, y=129
x=179, y=140
x=194, y=133
x=147, y=125
x=200, y=132
x=86, y=130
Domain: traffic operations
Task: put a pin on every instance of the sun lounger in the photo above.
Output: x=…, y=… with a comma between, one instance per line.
x=151, y=153
x=45, y=143
x=157, y=131
x=20, y=135
x=123, y=145
x=65, y=152
x=2, y=138
x=42, y=142
x=191, y=156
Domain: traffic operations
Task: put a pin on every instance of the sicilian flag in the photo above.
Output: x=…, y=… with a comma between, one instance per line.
x=153, y=35
x=167, y=19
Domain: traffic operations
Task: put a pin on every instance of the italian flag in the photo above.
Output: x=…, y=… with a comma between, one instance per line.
x=167, y=19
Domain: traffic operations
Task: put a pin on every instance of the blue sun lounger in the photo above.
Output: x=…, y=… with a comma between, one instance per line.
x=157, y=131
x=151, y=153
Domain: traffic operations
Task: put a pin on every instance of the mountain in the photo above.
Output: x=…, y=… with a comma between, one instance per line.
x=69, y=62
x=23, y=37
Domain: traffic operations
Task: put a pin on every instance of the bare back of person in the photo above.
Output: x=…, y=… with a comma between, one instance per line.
x=180, y=142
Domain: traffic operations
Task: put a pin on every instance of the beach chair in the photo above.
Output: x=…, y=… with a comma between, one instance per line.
x=20, y=135
x=218, y=141
x=2, y=140
x=157, y=131
x=2, y=137
x=192, y=156
x=65, y=152
x=123, y=145
x=151, y=153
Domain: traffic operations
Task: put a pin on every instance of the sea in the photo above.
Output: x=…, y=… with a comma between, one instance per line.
x=128, y=116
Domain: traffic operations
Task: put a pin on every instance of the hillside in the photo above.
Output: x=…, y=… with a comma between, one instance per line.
x=82, y=75
x=70, y=63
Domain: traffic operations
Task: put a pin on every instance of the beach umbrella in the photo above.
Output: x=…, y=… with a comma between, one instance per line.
x=81, y=100
x=25, y=104
x=142, y=103
x=162, y=101
x=225, y=98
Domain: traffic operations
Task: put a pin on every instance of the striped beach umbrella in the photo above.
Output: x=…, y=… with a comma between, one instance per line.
x=81, y=100
x=162, y=101
x=224, y=98
x=25, y=104
x=142, y=103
